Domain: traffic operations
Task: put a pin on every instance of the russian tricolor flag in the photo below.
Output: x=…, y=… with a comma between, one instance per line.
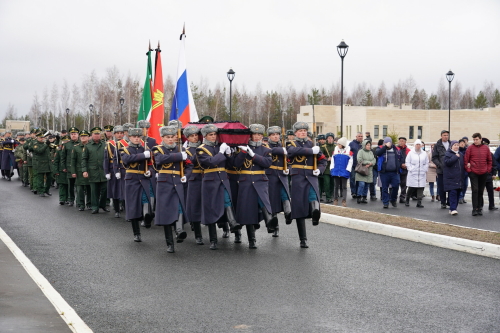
x=183, y=107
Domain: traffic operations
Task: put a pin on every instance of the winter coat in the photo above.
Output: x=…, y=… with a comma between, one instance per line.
x=341, y=163
x=480, y=159
x=355, y=148
x=453, y=170
x=382, y=158
x=431, y=172
x=438, y=156
x=365, y=156
x=404, y=152
x=417, y=165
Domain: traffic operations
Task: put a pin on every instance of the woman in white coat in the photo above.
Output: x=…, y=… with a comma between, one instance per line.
x=417, y=164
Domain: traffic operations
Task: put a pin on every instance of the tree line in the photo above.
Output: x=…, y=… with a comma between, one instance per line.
x=270, y=107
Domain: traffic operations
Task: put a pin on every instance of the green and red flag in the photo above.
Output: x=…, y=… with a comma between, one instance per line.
x=146, y=102
x=157, y=114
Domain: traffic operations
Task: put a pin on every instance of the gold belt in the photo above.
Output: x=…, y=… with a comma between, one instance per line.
x=275, y=167
x=214, y=170
x=233, y=172
x=258, y=172
x=172, y=172
x=7, y=148
x=135, y=171
x=302, y=167
x=197, y=171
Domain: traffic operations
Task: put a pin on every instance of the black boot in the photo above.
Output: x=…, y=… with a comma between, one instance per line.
x=276, y=232
x=359, y=200
x=364, y=200
x=169, y=237
x=179, y=229
x=232, y=220
x=419, y=203
x=197, y=232
x=225, y=230
x=136, y=229
x=116, y=207
x=315, y=212
x=212, y=232
x=287, y=210
x=251, y=236
x=237, y=236
x=301, y=228
x=271, y=220
x=407, y=201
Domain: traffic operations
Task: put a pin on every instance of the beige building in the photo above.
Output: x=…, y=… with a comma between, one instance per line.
x=412, y=124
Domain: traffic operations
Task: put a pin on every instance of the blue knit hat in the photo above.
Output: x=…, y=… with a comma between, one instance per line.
x=387, y=139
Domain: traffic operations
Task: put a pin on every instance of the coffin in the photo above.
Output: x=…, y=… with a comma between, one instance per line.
x=233, y=133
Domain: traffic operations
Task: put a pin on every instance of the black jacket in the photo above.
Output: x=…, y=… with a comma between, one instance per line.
x=438, y=156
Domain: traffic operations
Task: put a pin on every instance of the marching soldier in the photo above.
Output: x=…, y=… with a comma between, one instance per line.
x=216, y=192
x=134, y=158
x=233, y=173
x=307, y=163
x=328, y=149
x=279, y=192
x=93, y=169
x=194, y=176
x=321, y=141
x=126, y=127
x=66, y=162
x=41, y=164
x=76, y=172
x=19, y=155
x=60, y=175
x=2, y=134
x=148, y=143
x=8, y=160
x=121, y=141
x=112, y=174
x=253, y=160
x=170, y=188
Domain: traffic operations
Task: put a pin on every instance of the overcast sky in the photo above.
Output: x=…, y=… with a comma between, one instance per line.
x=276, y=43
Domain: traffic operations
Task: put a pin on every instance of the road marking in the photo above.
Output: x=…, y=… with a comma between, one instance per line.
x=67, y=313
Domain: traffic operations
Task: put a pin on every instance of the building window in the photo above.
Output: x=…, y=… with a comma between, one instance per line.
x=384, y=131
x=419, y=133
x=375, y=132
x=411, y=132
x=361, y=128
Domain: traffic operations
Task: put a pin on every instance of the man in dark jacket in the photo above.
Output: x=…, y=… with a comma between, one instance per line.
x=389, y=165
x=489, y=179
x=403, y=148
x=438, y=153
x=355, y=146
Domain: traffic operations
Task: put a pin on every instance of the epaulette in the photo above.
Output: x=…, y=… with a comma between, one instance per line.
x=188, y=152
x=202, y=146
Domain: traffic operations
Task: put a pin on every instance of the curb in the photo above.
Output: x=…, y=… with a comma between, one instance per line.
x=447, y=242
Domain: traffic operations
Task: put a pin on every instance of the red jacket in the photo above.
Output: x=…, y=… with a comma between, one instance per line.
x=479, y=158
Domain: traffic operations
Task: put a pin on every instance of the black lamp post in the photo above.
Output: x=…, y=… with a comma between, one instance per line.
x=342, y=49
x=449, y=76
x=91, y=108
x=122, y=101
x=230, y=76
x=67, y=114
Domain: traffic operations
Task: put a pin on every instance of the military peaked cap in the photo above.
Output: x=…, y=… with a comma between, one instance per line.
x=73, y=130
x=96, y=130
x=108, y=128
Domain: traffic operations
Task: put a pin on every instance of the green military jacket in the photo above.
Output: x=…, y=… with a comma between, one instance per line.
x=27, y=151
x=93, y=161
x=76, y=165
x=41, y=157
x=19, y=153
x=60, y=176
x=328, y=150
x=66, y=155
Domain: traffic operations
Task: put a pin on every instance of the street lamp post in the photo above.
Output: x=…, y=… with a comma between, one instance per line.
x=342, y=49
x=91, y=108
x=449, y=76
x=230, y=76
x=122, y=101
x=67, y=115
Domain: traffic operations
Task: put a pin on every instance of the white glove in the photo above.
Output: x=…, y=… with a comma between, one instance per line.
x=118, y=175
x=316, y=172
x=315, y=150
x=233, y=150
x=156, y=175
x=286, y=172
x=13, y=150
x=250, y=152
x=284, y=151
x=185, y=144
x=147, y=153
x=184, y=155
x=147, y=174
x=228, y=150
x=183, y=179
x=108, y=176
x=223, y=147
x=244, y=148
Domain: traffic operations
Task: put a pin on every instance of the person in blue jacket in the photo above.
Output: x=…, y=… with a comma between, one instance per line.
x=453, y=174
x=340, y=169
x=389, y=166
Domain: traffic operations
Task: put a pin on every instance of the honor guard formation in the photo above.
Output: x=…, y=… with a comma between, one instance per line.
x=190, y=177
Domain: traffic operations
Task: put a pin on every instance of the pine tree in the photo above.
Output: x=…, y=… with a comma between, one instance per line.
x=367, y=99
x=481, y=101
x=432, y=103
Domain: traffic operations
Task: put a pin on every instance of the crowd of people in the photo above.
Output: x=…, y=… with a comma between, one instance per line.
x=403, y=173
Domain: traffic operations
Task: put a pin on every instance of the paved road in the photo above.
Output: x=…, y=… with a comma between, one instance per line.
x=432, y=211
x=347, y=281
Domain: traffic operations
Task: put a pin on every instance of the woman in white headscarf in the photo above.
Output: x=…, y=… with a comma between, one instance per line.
x=417, y=164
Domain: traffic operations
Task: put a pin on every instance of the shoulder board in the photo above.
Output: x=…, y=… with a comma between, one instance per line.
x=123, y=142
x=125, y=150
x=204, y=150
x=112, y=142
x=292, y=143
x=266, y=145
x=189, y=153
x=160, y=149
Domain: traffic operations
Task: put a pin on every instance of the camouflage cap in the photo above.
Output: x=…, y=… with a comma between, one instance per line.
x=135, y=132
x=168, y=130
x=143, y=124
x=73, y=130
x=209, y=128
x=96, y=130
x=175, y=122
x=127, y=126
x=108, y=128
x=118, y=128
x=300, y=125
x=84, y=133
x=191, y=129
x=273, y=129
x=257, y=128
